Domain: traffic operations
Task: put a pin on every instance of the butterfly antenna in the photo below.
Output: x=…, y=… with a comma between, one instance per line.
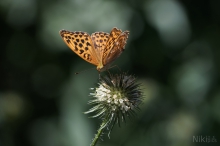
x=76, y=73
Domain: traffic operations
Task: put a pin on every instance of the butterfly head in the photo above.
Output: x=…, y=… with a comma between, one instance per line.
x=101, y=68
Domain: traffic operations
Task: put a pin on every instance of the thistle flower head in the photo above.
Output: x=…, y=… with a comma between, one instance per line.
x=116, y=97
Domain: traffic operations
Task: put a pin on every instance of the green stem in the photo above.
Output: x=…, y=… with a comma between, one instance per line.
x=98, y=134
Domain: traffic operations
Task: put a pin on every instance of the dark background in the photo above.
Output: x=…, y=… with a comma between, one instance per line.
x=173, y=49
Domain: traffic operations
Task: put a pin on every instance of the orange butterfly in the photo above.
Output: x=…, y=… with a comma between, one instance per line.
x=100, y=49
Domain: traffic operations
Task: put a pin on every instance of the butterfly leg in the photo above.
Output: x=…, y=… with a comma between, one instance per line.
x=115, y=66
x=99, y=76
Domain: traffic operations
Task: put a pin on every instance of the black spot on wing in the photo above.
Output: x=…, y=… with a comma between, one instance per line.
x=80, y=45
x=88, y=44
x=87, y=56
x=81, y=51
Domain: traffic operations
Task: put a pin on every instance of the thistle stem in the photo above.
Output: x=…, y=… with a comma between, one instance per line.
x=99, y=132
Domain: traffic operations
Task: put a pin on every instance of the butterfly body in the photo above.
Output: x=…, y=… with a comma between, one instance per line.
x=99, y=49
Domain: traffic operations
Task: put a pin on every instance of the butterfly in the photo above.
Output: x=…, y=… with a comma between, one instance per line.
x=99, y=49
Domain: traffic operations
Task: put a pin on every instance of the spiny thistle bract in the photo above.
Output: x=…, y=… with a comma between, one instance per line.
x=116, y=97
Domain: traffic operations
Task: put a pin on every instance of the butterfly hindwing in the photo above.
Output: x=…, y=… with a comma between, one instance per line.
x=99, y=40
x=117, y=49
x=110, y=43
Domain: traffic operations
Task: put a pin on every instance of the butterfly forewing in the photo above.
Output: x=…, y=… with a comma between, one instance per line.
x=81, y=44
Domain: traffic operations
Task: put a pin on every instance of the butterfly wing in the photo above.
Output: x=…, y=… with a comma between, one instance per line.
x=114, y=34
x=116, y=46
x=80, y=43
x=99, y=40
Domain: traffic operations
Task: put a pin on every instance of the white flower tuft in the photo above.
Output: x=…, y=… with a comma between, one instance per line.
x=116, y=96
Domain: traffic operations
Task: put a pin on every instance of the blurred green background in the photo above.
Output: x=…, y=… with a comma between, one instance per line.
x=173, y=49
